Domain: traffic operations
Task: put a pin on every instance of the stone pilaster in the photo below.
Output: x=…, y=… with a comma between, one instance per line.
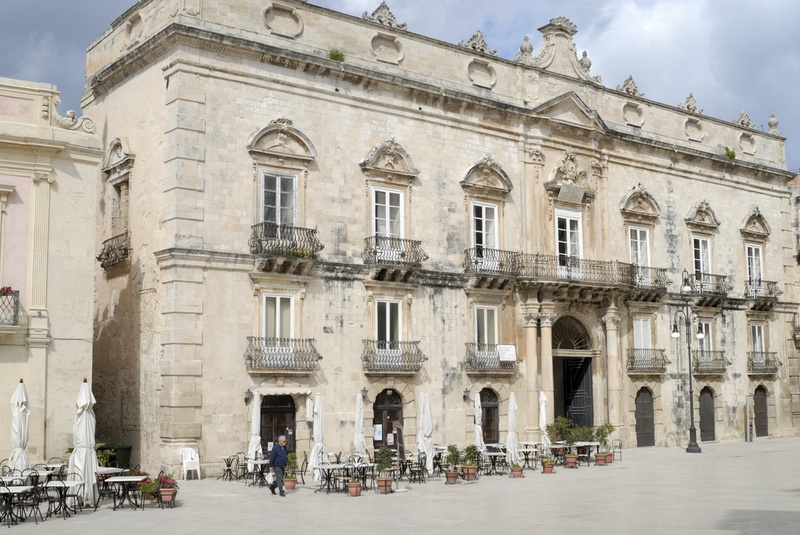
x=614, y=371
x=547, y=385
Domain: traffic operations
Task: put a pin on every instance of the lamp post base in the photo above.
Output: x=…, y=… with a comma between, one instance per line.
x=693, y=447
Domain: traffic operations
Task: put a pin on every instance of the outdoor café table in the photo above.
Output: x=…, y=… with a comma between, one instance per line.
x=588, y=446
x=7, y=496
x=109, y=470
x=493, y=456
x=127, y=489
x=61, y=489
x=262, y=468
x=558, y=450
x=327, y=471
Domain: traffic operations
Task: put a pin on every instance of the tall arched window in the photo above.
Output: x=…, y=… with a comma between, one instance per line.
x=490, y=414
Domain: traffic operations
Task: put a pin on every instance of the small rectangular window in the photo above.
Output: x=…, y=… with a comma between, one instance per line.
x=278, y=316
x=485, y=325
x=279, y=199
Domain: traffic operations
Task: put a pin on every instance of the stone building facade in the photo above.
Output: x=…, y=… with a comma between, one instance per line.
x=297, y=201
x=48, y=169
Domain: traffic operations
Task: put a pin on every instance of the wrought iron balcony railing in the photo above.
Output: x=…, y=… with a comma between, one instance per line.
x=647, y=278
x=284, y=240
x=486, y=358
x=760, y=289
x=709, y=362
x=9, y=308
x=762, y=362
x=392, y=357
x=707, y=283
x=115, y=250
x=647, y=361
x=393, y=251
x=291, y=354
x=481, y=260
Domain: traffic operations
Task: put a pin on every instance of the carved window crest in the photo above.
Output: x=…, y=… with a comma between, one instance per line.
x=702, y=218
x=487, y=179
x=281, y=141
x=118, y=161
x=391, y=162
x=478, y=44
x=755, y=226
x=383, y=15
x=639, y=206
x=568, y=182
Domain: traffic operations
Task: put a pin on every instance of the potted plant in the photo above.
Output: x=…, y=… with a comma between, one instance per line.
x=570, y=437
x=385, y=465
x=548, y=463
x=354, y=487
x=557, y=431
x=601, y=434
x=453, y=459
x=290, y=474
x=470, y=462
x=516, y=470
x=167, y=489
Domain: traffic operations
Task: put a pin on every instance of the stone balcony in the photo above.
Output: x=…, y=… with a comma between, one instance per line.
x=709, y=362
x=115, y=250
x=9, y=311
x=762, y=363
x=281, y=356
x=485, y=359
x=284, y=248
x=763, y=294
x=492, y=268
x=384, y=357
x=393, y=259
x=711, y=290
x=647, y=361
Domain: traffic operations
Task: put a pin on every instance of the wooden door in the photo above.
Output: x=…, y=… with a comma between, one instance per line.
x=707, y=430
x=645, y=423
x=277, y=418
x=388, y=414
x=490, y=416
x=760, y=409
x=578, y=391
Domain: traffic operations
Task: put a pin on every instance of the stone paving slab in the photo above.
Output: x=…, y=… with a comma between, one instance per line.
x=732, y=488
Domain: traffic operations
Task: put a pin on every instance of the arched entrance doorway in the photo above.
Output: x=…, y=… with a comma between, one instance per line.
x=760, y=410
x=645, y=423
x=707, y=430
x=277, y=418
x=387, y=419
x=490, y=416
x=572, y=376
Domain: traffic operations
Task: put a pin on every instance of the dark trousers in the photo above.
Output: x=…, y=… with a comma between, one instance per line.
x=278, y=478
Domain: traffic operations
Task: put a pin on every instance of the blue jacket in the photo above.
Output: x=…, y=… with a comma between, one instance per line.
x=278, y=456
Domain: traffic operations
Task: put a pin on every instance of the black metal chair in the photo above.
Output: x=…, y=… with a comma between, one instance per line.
x=303, y=468
x=616, y=447
x=151, y=494
x=418, y=470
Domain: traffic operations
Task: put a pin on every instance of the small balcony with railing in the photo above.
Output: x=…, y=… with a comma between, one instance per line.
x=707, y=362
x=393, y=259
x=644, y=283
x=281, y=356
x=284, y=248
x=115, y=250
x=388, y=357
x=762, y=363
x=646, y=361
x=492, y=268
x=764, y=294
x=489, y=359
x=9, y=310
x=711, y=290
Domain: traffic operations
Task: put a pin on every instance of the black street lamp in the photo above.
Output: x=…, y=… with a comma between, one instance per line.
x=686, y=312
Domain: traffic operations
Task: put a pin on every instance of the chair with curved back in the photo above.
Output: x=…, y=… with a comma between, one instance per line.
x=190, y=461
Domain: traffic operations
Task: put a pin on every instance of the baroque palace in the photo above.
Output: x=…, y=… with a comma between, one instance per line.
x=294, y=201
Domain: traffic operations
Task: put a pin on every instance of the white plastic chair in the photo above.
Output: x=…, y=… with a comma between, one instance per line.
x=190, y=460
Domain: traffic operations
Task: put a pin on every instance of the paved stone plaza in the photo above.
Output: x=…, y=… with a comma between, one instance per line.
x=730, y=488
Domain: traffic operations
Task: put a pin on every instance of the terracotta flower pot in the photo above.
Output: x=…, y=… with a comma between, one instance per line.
x=572, y=460
x=290, y=484
x=600, y=459
x=354, y=489
x=167, y=496
x=451, y=478
x=470, y=473
x=547, y=468
x=516, y=472
x=385, y=485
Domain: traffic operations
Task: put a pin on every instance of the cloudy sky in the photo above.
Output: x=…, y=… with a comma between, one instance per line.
x=730, y=54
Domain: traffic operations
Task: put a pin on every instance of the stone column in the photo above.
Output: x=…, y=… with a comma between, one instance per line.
x=546, y=353
x=614, y=370
x=531, y=322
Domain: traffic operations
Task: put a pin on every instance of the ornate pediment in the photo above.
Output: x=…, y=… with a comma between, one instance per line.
x=755, y=226
x=487, y=179
x=629, y=88
x=390, y=161
x=281, y=140
x=690, y=104
x=478, y=44
x=117, y=161
x=569, y=108
x=702, y=218
x=744, y=120
x=569, y=182
x=383, y=15
x=639, y=206
x=558, y=53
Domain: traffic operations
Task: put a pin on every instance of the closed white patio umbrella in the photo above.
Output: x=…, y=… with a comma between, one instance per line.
x=478, y=436
x=318, y=451
x=359, y=444
x=20, y=415
x=254, y=446
x=425, y=430
x=83, y=460
x=512, y=443
x=543, y=418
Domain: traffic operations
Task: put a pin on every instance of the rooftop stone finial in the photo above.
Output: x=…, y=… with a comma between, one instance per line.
x=525, y=55
x=383, y=15
x=558, y=51
x=773, y=125
x=478, y=44
x=629, y=87
x=690, y=105
x=744, y=120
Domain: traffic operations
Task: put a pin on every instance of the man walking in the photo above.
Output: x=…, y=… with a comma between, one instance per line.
x=277, y=462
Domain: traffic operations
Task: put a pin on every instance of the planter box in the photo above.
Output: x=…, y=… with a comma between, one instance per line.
x=385, y=485
x=354, y=489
